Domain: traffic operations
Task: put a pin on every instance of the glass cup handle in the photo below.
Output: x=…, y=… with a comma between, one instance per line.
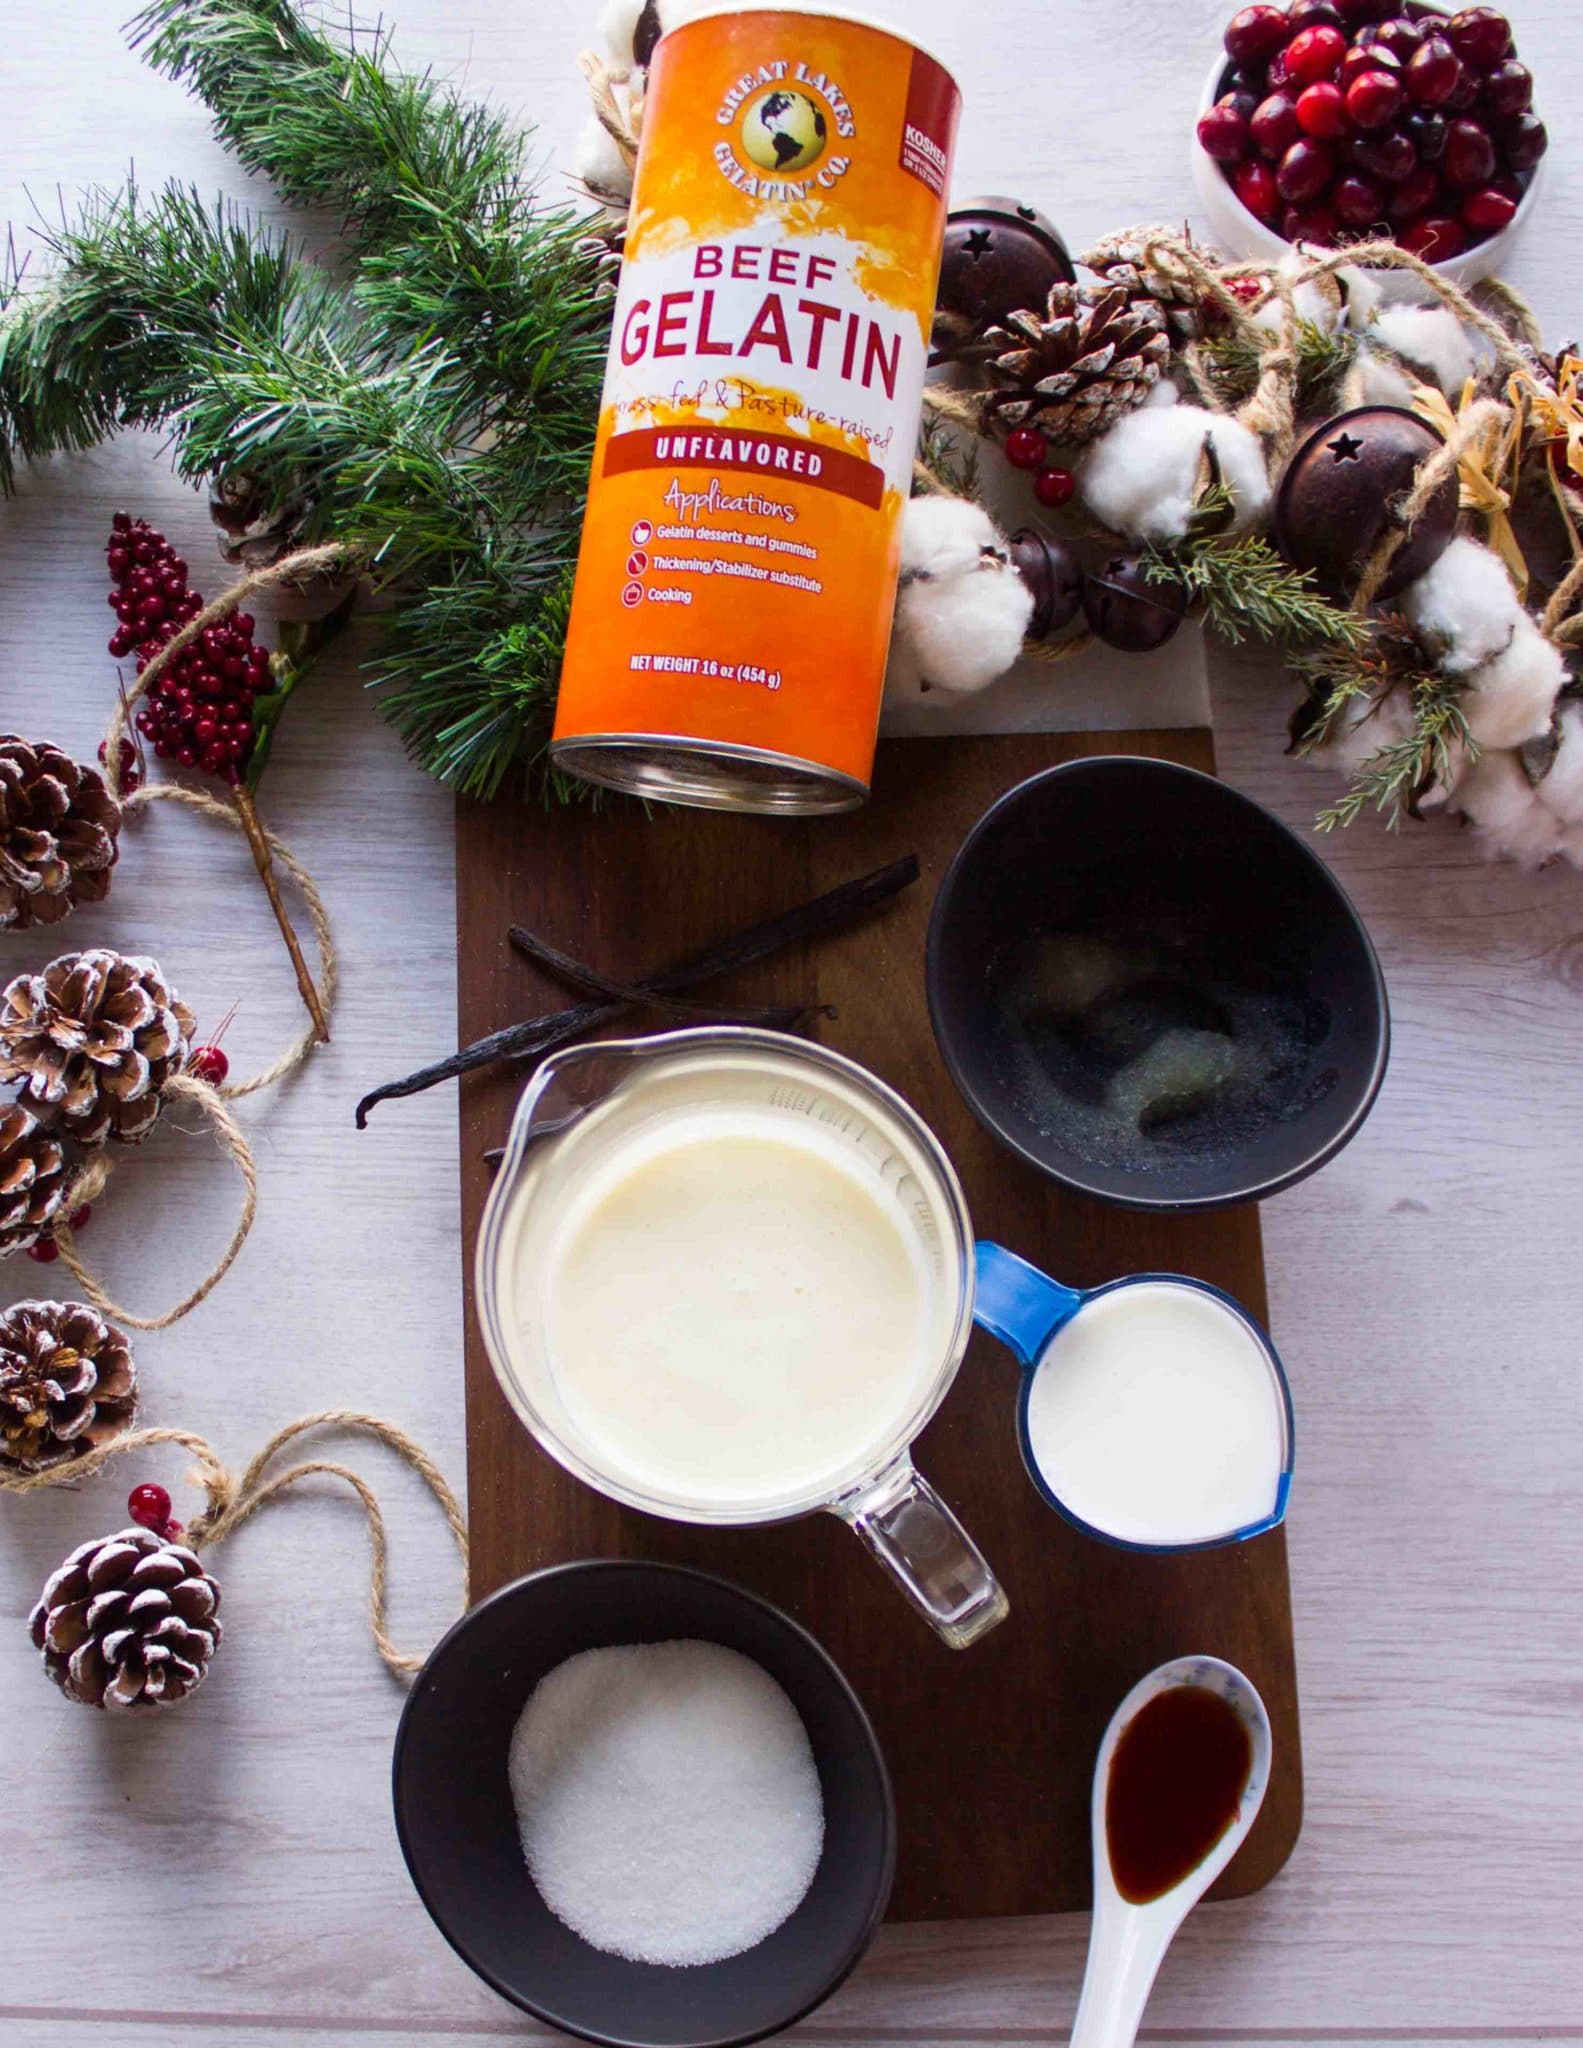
x=926, y=1550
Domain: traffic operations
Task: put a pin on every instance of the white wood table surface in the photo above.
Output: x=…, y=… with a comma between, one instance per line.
x=229, y=1875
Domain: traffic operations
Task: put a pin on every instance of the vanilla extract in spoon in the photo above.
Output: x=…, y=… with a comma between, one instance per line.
x=1177, y=1778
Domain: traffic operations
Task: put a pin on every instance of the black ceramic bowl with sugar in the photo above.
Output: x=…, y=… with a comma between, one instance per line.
x=1117, y=926
x=458, y=1827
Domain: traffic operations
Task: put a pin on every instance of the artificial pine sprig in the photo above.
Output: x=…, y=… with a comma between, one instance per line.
x=1389, y=660
x=1244, y=587
x=1323, y=359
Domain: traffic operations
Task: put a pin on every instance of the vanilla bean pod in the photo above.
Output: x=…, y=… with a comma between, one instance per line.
x=588, y=981
x=537, y=1035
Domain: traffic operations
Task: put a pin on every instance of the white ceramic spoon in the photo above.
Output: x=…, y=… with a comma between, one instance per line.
x=1128, y=1942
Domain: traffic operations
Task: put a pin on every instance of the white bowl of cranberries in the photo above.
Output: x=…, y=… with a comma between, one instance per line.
x=1329, y=121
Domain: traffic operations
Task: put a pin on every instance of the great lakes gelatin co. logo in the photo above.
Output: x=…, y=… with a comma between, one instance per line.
x=782, y=119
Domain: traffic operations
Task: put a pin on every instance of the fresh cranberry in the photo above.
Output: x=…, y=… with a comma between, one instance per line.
x=1433, y=73
x=1222, y=134
x=1254, y=184
x=1359, y=202
x=1470, y=154
x=1322, y=111
x=1316, y=224
x=1413, y=194
x=1426, y=131
x=1488, y=210
x=1052, y=487
x=1357, y=13
x=1315, y=53
x=1434, y=237
x=1480, y=36
x=1361, y=59
x=1403, y=38
x=1312, y=14
x=1390, y=156
x=1464, y=93
x=44, y=1252
x=1508, y=89
x=1524, y=140
x=1278, y=73
x=1275, y=126
x=1304, y=172
x=1255, y=34
x=1374, y=99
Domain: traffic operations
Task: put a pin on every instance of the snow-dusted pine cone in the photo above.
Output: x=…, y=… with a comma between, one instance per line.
x=128, y=1621
x=67, y=1383
x=93, y=1040
x=33, y=1178
x=58, y=830
x=1093, y=356
x=1126, y=262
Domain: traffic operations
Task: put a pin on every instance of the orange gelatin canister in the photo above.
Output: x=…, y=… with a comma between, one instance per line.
x=739, y=555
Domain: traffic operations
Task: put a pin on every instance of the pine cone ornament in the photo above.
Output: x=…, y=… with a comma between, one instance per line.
x=94, y=1039
x=256, y=528
x=1128, y=263
x=58, y=830
x=67, y=1383
x=129, y=1621
x=1093, y=357
x=33, y=1180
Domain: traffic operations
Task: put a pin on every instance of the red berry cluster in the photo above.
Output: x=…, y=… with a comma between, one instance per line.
x=1358, y=118
x=200, y=714
x=46, y=1251
x=1026, y=448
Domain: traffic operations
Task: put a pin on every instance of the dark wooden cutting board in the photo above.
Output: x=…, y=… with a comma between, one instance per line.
x=991, y=1748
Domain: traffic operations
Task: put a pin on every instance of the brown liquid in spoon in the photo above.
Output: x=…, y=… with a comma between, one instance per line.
x=1176, y=1777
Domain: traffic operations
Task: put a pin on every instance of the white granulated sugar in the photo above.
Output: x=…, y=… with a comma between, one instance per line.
x=667, y=1799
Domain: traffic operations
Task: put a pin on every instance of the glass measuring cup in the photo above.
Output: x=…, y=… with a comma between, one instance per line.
x=1244, y=1436
x=591, y=1107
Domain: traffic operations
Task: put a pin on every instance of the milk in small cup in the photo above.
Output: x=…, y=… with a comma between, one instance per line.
x=1154, y=1413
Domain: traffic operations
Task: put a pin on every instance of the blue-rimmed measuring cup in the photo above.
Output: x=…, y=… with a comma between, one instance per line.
x=1154, y=1411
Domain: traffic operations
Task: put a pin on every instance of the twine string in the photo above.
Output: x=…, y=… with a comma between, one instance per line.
x=329, y=964
x=91, y=1182
x=233, y=1500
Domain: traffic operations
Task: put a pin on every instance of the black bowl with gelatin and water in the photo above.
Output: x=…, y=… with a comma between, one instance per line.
x=458, y=1827
x=1148, y=987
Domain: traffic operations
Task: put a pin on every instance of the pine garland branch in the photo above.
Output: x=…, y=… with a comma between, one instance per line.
x=139, y=289
x=442, y=215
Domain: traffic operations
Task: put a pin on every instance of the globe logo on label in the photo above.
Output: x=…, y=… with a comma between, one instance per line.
x=782, y=116
x=783, y=130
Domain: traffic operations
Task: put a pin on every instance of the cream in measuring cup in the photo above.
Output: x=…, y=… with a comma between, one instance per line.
x=725, y=1276
x=1154, y=1412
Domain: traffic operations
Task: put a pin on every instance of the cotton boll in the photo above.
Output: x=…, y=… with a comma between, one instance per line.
x=1380, y=382
x=1142, y=477
x=1562, y=789
x=1317, y=301
x=1467, y=601
x=1430, y=338
x=1510, y=699
x=1363, y=294
x=600, y=165
x=618, y=23
x=1505, y=811
x=965, y=630
x=942, y=536
x=904, y=682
